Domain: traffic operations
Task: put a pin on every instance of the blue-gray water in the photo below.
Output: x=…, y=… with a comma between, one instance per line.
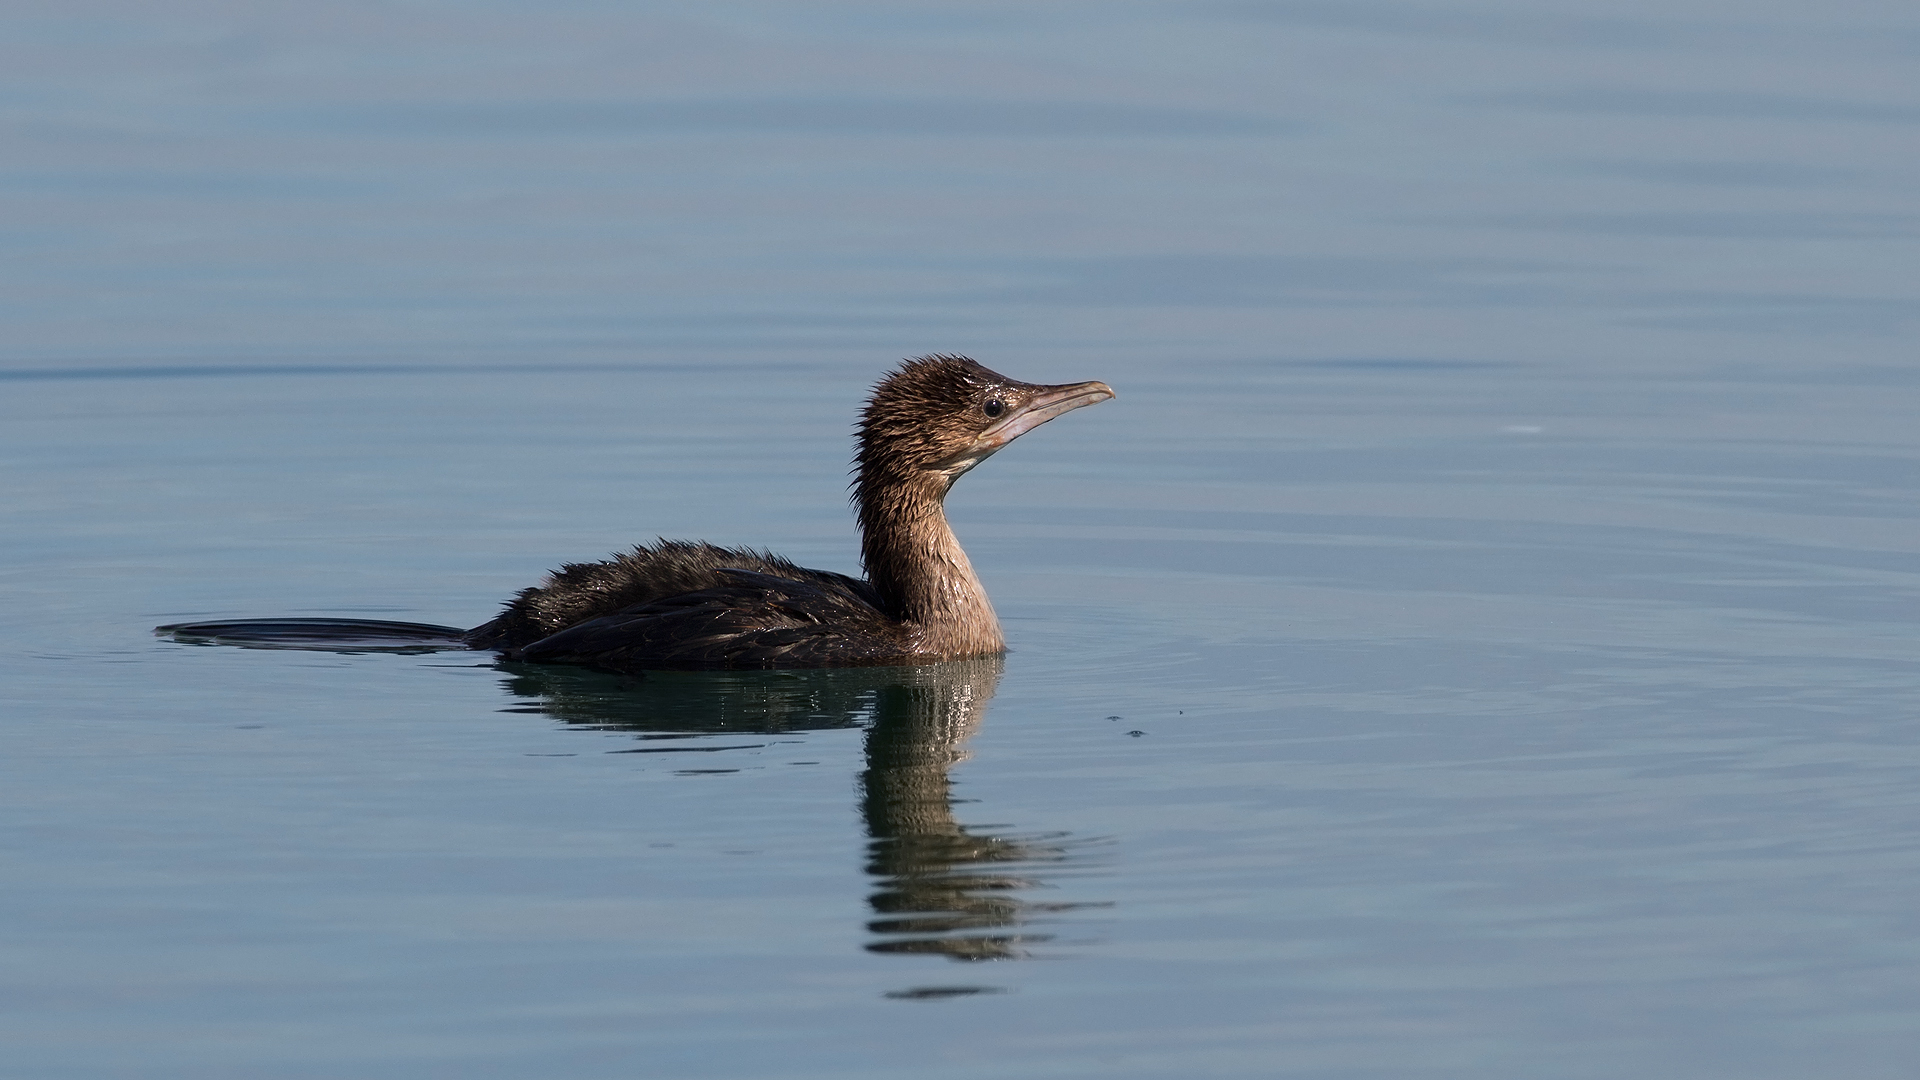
x=1479, y=642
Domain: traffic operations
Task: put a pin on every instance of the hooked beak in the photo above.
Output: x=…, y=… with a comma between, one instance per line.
x=1050, y=402
x=1042, y=407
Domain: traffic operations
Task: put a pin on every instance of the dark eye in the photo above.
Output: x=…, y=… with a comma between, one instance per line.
x=994, y=407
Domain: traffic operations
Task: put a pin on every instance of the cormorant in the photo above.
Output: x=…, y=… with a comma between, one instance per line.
x=691, y=605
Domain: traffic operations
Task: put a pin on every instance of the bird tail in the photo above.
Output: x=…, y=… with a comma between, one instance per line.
x=325, y=635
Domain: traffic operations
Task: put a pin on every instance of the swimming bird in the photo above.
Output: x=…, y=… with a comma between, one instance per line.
x=691, y=605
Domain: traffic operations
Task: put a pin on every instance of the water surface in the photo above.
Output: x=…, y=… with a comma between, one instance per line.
x=1478, y=642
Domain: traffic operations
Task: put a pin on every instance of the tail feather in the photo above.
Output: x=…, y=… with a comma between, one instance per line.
x=327, y=635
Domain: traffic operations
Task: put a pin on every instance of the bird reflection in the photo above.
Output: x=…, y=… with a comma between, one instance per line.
x=939, y=888
x=942, y=889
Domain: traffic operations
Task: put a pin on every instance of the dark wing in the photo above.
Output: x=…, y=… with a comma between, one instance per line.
x=751, y=620
x=649, y=574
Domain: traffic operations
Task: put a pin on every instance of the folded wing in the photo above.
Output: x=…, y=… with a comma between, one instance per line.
x=749, y=620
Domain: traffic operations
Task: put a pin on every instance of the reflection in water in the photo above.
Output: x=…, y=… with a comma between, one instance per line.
x=940, y=889
x=677, y=704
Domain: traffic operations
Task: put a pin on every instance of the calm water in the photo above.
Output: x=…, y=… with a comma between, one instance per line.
x=1479, y=642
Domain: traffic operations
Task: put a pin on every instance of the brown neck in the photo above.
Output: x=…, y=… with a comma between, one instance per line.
x=917, y=566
